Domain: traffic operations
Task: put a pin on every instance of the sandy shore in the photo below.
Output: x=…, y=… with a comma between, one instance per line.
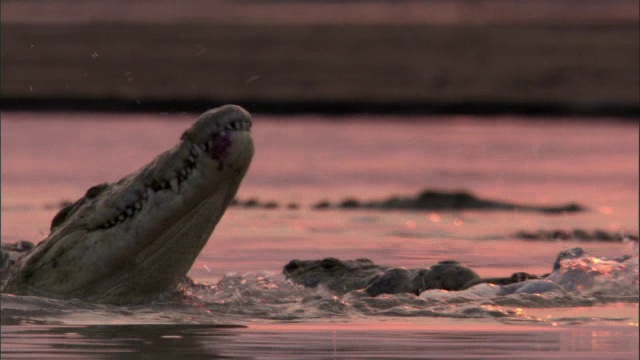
x=531, y=68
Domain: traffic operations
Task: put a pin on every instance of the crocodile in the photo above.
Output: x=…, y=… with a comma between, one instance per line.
x=433, y=200
x=343, y=276
x=573, y=271
x=134, y=240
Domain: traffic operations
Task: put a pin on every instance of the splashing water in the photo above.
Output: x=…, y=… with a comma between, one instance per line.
x=579, y=280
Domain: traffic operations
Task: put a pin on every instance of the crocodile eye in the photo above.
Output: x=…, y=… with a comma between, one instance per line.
x=292, y=266
x=61, y=216
x=329, y=263
x=448, y=262
x=95, y=190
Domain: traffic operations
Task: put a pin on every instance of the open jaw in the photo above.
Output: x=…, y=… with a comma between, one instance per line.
x=129, y=241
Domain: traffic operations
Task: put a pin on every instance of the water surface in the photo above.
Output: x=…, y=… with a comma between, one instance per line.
x=248, y=310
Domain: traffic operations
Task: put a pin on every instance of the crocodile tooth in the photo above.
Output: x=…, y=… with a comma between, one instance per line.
x=137, y=205
x=200, y=148
x=191, y=159
x=121, y=217
x=129, y=211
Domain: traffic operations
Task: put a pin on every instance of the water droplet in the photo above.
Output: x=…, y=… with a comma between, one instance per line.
x=252, y=79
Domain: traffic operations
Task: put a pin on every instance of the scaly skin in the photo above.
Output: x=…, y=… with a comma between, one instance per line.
x=343, y=276
x=130, y=241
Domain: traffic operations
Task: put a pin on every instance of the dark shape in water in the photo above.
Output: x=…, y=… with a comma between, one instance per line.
x=448, y=201
x=324, y=204
x=575, y=235
x=343, y=276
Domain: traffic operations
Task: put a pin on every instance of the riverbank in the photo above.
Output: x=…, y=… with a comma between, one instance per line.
x=588, y=112
x=537, y=69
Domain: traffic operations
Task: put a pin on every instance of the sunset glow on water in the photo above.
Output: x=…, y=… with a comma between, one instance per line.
x=50, y=158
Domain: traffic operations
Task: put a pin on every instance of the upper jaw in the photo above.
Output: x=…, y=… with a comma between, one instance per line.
x=218, y=121
x=205, y=150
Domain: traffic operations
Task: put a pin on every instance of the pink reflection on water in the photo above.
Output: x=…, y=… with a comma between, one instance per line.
x=47, y=158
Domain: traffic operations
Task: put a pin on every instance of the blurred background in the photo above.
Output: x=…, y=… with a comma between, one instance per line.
x=290, y=56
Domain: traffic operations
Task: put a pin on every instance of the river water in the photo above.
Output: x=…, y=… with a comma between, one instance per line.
x=248, y=310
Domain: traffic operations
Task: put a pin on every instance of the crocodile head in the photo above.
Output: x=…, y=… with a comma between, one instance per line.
x=129, y=241
x=340, y=276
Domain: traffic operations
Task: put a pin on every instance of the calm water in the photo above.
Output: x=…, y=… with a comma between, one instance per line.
x=250, y=311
